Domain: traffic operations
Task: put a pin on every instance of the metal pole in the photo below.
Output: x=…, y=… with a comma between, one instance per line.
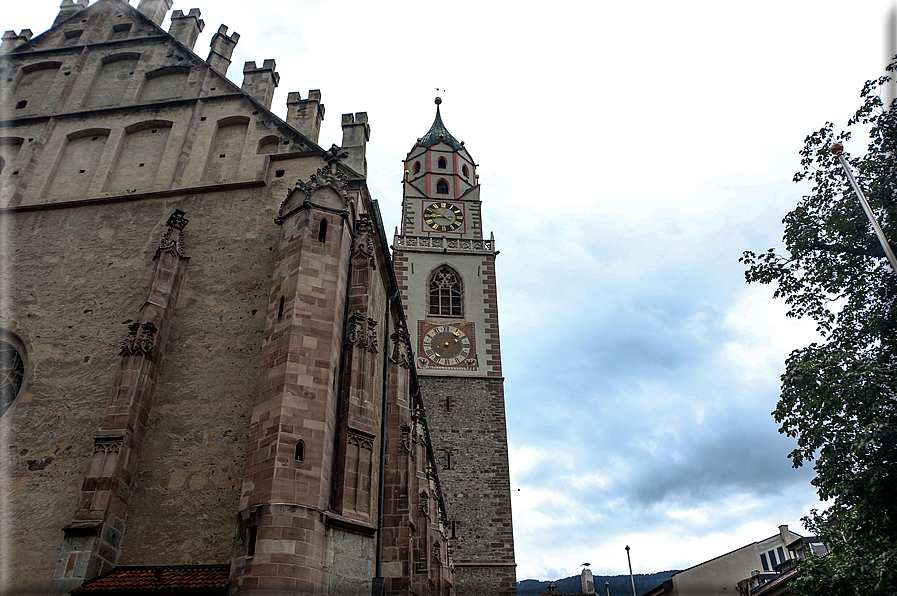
x=607, y=588
x=631, y=577
x=837, y=150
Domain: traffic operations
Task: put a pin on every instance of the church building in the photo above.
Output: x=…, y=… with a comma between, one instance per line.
x=216, y=374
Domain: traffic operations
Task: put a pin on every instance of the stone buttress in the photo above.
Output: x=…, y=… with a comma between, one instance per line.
x=92, y=540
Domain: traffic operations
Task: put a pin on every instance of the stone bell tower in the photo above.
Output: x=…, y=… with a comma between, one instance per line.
x=446, y=274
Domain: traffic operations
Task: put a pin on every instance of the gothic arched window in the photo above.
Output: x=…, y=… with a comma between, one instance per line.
x=12, y=371
x=441, y=163
x=445, y=293
x=442, y=187
x=465, y=171
x=416, y=167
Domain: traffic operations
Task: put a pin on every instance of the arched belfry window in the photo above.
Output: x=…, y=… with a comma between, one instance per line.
x=442, y=187
x=12, y=371
x=445, y=293
x=441, y=164
x=465, y=171
x=416, y=167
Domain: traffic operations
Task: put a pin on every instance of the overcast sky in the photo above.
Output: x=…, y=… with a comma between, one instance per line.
x=628, y=153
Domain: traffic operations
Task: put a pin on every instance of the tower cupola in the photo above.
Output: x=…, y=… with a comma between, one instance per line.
x=438, y=133
x=439, y=166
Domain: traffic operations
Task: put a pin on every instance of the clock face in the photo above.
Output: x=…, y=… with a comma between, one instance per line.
x=443, y=217
x=446, y=345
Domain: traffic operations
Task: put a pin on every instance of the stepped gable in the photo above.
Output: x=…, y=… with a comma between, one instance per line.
x=142, y=29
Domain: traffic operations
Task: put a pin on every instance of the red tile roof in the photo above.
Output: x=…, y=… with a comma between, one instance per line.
x=187, y=579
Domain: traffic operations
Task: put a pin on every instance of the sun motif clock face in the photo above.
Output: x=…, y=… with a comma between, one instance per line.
x=443, y=216
x=446, y=345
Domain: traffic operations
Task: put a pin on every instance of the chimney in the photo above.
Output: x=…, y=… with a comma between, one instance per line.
x=356, y=133
x=305, y=115
x=11, y=41
x=222, y=49
x=259, y=83
x=588, y=581
x=68, y=8
x=187, y=28
x=155, y=9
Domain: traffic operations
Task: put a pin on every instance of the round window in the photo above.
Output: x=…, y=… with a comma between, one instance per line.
x=12, y=371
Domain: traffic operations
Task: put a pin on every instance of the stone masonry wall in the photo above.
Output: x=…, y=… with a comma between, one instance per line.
x=467, y=425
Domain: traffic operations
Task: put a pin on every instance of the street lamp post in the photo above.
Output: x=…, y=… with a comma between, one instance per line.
x=631, y=577
x=838, y=151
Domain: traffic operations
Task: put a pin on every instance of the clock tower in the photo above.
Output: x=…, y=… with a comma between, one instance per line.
x=446, y=274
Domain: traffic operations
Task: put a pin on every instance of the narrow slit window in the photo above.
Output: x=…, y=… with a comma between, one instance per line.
x=280, y=310
x=300, y=451
x=322, y=231
x=448, y=460
x=252, y=539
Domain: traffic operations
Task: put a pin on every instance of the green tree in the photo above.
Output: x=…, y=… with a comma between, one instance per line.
x=839, y=396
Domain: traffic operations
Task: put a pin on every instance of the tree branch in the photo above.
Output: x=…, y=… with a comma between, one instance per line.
x=844, y=249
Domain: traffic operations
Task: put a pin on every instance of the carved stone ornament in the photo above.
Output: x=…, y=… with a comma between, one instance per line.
x=335, y=154
x=363, y=243
x=106, y=445
x=422, y=362
x=360, y=441
x=322, y=178
x=406, y=439
x=363, y=332
x=472, y=363
x=423, y=509
x=437, y=553
x=174, y=238
x=140, y=340
x=401, y=350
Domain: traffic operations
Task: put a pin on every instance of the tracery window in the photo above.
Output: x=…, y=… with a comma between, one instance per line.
x=445, y=293
x=12, y=371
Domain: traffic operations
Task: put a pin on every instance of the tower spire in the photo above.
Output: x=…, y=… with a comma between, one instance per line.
x=438, y=133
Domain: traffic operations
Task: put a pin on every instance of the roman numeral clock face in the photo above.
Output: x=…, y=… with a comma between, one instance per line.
x=443, y=217
x=446, y=345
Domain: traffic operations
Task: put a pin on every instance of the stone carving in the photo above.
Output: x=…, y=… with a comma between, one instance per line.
x=461, y=244
x=322, y=178
x=422, y=362
x=472, y=363
x=174, y=242
x=363, y=243
x=106, y=445
x=140, y=340
x=335, y=154
x=423, y=509
x=363, y=332
x=401, y=350
x=406, y=439
x=360, y=441
x=437, y=553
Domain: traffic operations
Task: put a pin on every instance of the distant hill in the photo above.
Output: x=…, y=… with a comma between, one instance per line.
x=620, y=585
